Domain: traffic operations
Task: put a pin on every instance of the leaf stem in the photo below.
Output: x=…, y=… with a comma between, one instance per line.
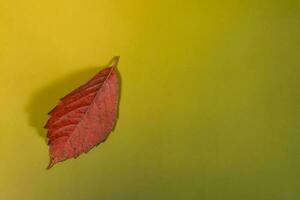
x=114, y=61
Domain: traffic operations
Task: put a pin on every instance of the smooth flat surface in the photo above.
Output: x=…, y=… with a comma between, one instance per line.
x=210, y=103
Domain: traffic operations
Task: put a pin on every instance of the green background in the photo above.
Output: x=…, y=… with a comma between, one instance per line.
x=209, y=110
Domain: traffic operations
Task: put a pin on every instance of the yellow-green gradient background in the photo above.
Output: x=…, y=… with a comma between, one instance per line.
x=209, y=107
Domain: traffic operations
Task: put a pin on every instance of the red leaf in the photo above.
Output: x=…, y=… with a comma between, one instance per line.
x=85, y=117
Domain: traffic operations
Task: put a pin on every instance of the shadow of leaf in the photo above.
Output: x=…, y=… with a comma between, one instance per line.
x=44, y=100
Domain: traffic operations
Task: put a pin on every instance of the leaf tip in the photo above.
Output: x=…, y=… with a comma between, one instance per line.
x=51, y=164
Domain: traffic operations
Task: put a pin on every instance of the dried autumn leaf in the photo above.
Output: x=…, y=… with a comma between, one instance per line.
x=85, y=117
